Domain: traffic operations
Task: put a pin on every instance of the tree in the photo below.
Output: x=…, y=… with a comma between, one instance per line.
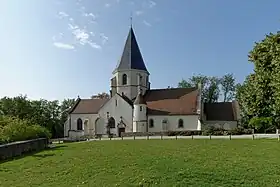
x=210, y=86
x=259, y=96
x=102, y=95
x=49, y=114
x=228, y=87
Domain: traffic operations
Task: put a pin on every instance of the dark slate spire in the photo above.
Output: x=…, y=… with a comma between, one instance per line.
x=131, y=57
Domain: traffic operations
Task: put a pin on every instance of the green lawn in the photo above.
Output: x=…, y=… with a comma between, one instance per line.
x=149, y=163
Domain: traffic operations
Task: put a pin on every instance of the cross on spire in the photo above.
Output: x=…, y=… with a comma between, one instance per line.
x=131, y=19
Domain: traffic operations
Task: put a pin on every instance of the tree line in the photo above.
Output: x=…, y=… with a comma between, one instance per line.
x=214, y=88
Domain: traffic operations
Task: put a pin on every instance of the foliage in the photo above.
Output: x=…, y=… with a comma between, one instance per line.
x=259, y=95
x=149, y=163
x=228, y=87
x=14, y=129
x=49, y=114
x=184, y=133
x=212, y=87
x=261, y=124
x=102, y=95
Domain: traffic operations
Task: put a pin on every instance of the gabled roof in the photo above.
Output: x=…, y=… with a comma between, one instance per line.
x=131, y=57
x=87, y=106
x=172, y=101
x=223, y=111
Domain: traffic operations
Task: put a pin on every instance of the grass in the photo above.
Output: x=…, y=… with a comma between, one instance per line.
x=149, y=163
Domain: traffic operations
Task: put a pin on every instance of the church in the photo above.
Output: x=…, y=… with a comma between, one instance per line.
x=134, y=106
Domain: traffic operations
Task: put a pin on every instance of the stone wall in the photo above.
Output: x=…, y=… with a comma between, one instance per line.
x=18, y=148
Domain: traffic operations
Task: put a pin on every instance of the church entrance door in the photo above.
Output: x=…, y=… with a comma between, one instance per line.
x=120, y=131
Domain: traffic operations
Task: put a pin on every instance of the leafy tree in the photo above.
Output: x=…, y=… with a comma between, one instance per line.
x=49, y=114
x=210, y=86
x=228, y=87
x=259, y=96
x=102, y=95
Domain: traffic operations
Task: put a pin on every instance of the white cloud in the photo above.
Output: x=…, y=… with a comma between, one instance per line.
x=139, y=12
x=95, y=45
x=62, y=15
x=147, y=23
x=104, y=38
x=152, y=4
x=107, y=5
x=63, y=45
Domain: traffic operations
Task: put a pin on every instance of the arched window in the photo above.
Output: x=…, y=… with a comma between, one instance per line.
x=112, y=123
x=79, y=124
x=151, y=123
x=180, y=123
x=124, y=79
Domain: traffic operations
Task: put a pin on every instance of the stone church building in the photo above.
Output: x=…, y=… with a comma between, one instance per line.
x=134, y=106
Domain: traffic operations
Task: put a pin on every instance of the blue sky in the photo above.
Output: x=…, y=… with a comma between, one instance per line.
x=61, y=49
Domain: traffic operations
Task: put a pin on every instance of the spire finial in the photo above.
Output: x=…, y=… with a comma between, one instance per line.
x=131, y=19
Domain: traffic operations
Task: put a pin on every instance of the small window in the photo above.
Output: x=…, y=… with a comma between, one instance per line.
x=79, y=124
x=140, y=108
x=124, y=79
x=140, y=80
x=180, y=123
x=116, y=102
x=151, y=123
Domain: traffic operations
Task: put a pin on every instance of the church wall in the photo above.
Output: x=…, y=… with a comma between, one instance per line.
x=118, y=107
x=89, y=129
x=191, y=122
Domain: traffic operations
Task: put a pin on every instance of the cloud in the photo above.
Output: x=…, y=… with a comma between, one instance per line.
x=147, y=23
x=103, y=38
x=62, y=15
x=95, y=45
x=152, y=4
x=80, y=30
x=63, y=45
x=56, y=38
x=139, y=12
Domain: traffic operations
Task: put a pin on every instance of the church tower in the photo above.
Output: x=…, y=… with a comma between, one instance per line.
x=130, y=71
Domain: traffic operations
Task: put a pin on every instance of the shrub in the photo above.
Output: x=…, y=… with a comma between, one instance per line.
x=240, y=131
x=14, y=129
x=183, y=133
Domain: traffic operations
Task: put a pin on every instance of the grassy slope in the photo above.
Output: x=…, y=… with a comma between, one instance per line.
x=149, y=163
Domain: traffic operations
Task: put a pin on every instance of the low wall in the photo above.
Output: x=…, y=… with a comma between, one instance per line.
x=18, y=148
x=166, y=133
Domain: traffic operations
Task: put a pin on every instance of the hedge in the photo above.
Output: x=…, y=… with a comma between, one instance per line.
x=14, y=129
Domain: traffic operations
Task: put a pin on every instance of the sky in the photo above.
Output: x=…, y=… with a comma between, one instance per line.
x=56, y=49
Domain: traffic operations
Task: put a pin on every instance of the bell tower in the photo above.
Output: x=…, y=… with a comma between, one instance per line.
x=131, y=71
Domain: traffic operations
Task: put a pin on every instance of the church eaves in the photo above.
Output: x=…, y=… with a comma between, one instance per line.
x=131, y=57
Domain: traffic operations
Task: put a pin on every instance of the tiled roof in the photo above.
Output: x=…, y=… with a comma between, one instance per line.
x=173, y=101
x=131, y=57
x=223, y=111
x=139, y=99
x=87, y=106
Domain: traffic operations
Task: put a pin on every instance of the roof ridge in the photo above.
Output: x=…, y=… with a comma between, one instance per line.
x=158, y=89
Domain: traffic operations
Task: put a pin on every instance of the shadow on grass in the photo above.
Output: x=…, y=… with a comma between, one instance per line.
x=34, y=153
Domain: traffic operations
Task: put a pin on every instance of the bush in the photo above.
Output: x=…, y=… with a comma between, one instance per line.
x=240, y=131
x=13, y=129
x=183, y=133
